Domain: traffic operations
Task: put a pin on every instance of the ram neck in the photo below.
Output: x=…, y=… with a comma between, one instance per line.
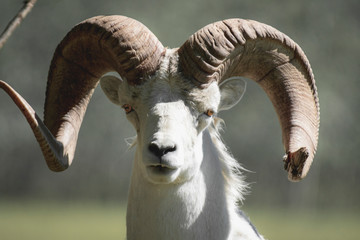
x=196, y=209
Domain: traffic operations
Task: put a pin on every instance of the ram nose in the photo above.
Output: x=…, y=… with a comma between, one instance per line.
x=163, y=165
x=161, y=150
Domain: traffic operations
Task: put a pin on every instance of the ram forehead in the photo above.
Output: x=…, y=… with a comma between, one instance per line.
x=166, y=91
x=167, y=85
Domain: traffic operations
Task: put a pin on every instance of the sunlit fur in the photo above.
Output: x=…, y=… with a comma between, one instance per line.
x=198, y=198
x=231, y=169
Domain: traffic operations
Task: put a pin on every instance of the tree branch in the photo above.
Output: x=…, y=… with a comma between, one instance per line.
x=15, y=22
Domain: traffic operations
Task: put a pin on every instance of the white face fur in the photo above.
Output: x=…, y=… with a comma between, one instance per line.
x=169, y=117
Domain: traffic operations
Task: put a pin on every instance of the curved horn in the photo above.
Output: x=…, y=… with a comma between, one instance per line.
x=237, y=47
x=92, y=48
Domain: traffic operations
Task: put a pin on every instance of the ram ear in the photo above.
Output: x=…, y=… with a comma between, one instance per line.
x=111, y=85
x=231, y=90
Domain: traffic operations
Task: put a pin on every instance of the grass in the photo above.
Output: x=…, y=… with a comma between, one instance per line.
x=55, y=221
x=59, y=221
x=285, y=224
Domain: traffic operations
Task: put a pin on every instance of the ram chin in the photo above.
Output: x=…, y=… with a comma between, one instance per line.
x=161, y=174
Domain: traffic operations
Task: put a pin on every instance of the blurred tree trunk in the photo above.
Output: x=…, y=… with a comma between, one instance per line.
x=15, y=22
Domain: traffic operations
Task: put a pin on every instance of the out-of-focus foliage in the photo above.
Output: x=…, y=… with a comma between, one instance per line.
x=327, y=30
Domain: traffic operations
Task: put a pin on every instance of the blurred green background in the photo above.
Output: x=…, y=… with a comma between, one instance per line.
x=88, y=200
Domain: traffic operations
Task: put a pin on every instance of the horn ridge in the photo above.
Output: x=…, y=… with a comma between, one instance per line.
x=89, y=50
x=246, y=48
x=50, y=147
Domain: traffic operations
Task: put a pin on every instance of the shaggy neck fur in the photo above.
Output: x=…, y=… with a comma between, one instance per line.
x=202, y=208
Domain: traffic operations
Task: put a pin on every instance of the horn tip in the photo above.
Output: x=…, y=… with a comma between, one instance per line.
x=57, y=167
x=294, y=163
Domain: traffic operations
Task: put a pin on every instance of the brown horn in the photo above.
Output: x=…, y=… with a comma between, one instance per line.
x=237, y=47
x=92, y=48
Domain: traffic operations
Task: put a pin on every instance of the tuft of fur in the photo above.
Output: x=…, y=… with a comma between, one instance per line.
x=236, y=186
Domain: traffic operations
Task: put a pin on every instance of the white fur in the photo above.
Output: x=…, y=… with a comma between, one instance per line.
x=197, y=198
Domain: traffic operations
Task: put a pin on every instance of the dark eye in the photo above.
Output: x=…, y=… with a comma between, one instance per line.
x=128, y=108
x=209, y=113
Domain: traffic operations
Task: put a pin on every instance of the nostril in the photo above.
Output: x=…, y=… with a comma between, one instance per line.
x=154, y=148
x=160, y=151
x=169, y=149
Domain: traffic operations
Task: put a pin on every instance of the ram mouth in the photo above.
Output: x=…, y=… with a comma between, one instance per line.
x=160, y=168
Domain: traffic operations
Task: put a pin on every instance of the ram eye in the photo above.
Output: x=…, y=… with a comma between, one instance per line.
x=128, y=108
x=209, y=113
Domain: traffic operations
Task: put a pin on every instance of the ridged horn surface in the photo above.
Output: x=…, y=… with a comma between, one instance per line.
x=250, y=49
x=92, y=48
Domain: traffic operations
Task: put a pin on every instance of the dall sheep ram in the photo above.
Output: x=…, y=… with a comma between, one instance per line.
x=184, y=184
